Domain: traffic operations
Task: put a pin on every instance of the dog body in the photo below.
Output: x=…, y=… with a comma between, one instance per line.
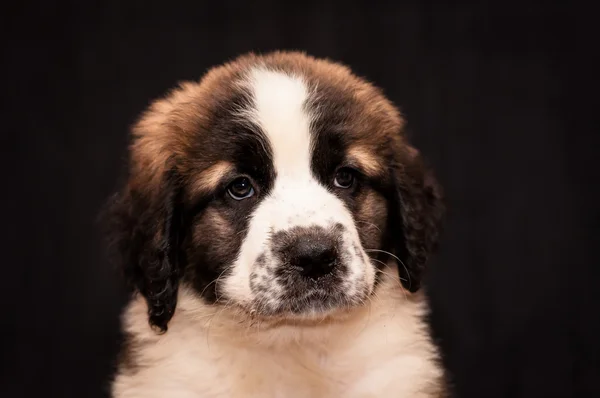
x=275, y=226
x=381, y=350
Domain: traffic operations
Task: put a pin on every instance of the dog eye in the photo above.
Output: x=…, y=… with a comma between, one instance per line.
x=241, y=188
x=344, y=178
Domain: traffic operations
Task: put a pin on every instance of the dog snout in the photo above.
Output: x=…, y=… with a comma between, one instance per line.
x=312, y=258
x=311, y=252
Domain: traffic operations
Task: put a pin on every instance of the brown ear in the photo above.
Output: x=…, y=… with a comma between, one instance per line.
x=418, y=215
x=144, y=231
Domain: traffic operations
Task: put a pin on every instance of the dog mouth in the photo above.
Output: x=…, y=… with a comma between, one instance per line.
x=319, y=300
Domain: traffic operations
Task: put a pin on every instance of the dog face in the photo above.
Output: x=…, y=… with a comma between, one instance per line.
x=280, y=184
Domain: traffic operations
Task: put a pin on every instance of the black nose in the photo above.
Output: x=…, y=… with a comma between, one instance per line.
x=313, y=255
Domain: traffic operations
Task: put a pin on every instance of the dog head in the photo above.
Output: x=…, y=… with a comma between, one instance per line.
x=281, y=184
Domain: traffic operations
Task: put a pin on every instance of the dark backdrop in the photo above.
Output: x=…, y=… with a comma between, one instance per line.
x=498, y=97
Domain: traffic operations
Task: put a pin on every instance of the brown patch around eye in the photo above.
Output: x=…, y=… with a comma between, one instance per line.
x=371, y=219
x=373, y=208
x=215, y=222
x=367, y=161
x=210, y=178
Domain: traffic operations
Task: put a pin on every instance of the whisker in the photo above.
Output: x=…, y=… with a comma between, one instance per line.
x=382, y=263
x=384, y=252
x=396, y=257
x=397, y=280
x=368, y=317
x=216, y=280
x=369, y=223
x=210, y=321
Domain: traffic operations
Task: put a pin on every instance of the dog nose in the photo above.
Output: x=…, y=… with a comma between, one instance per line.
x=313, y=256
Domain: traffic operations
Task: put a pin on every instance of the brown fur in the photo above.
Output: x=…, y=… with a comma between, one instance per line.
x=209, y=179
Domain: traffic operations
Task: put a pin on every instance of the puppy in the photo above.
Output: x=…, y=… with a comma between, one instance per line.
x=275, y=225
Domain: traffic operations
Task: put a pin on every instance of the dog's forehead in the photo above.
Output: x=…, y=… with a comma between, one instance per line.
x=278, y=108
x=299, y=108
x=312, y=121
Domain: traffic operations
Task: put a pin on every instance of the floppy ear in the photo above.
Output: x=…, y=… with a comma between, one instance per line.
x=145, y=234
x=417, y=214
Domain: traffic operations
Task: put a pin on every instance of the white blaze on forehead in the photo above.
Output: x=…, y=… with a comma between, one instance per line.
x=279, y=110
x=297, y=198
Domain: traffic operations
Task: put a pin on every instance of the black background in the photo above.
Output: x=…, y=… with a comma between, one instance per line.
x=498, y=96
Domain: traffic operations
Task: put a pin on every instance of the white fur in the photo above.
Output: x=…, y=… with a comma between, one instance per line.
x=297, y=198
x=379, y=350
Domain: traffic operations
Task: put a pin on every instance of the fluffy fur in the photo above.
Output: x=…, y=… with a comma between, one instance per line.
x=275, y=227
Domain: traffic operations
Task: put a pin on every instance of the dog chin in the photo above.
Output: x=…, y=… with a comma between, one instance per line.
x=316, y=305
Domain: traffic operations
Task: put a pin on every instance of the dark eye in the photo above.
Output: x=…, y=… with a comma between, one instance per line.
x=240, y=189
x=344, y=178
